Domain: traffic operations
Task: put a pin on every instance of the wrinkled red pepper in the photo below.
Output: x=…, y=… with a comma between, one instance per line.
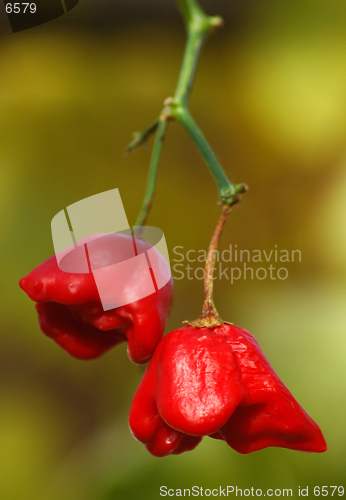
x=70, y=311
x=216, y=382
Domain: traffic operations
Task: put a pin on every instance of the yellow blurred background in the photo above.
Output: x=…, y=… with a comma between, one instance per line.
x=270, y=97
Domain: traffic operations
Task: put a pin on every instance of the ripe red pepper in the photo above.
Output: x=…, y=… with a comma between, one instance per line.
x=216, y=382
x=70, y=311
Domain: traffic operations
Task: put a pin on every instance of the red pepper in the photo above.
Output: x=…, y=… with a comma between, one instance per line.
x=216, y=382
x=70, y=311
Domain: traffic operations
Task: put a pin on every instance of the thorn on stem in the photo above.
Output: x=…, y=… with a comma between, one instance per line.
x=140, y=138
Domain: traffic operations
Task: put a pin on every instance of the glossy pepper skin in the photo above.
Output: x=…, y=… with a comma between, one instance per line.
x=216, y=382
x=70, y=311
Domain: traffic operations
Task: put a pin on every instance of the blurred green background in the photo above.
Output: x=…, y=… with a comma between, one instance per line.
x=270, y=97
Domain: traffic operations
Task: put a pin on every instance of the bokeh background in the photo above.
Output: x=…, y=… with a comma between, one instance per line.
x=270, y=96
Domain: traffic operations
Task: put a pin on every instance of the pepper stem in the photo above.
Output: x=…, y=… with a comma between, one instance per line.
x=210, y=317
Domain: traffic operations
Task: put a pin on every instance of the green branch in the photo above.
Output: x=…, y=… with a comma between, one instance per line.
x=152, y=175
x=198, y=26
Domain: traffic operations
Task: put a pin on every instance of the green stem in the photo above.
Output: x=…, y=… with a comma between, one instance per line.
x=152, y=175
x=228, y=192
x=185, y=118
x=193, y=49
x=198, y=26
